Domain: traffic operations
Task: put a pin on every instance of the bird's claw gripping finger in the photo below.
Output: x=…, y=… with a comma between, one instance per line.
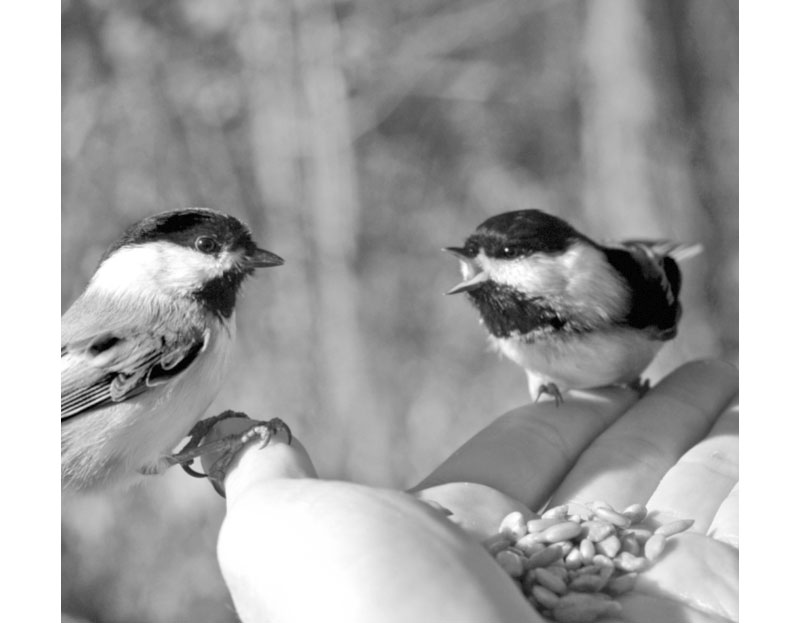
x=232, y=444
x=198, y=432
x=552, y=389
x=229, y=446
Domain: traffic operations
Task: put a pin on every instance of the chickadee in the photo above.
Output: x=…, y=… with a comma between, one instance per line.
x=571, y=312
x=145, y=348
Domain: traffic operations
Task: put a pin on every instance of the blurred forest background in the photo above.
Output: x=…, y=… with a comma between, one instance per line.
x=357, y=138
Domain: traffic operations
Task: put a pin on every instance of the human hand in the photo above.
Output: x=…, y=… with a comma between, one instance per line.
x=295, y=548
x=676, y=451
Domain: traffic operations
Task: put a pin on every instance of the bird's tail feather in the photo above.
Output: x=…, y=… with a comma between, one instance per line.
x=679, y=251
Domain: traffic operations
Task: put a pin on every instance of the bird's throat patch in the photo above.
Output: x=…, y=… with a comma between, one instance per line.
x=219, y=294
x=506, y=312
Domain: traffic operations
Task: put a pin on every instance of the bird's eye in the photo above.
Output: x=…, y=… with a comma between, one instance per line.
x=206, y=244
x=510, y=253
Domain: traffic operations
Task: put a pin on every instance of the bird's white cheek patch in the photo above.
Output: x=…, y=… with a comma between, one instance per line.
x=537, y=275
x=580, y=278
x=159, y=267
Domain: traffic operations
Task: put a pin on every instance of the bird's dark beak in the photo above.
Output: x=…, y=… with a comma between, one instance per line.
x=474, y=276
x=459, y=252
x=260, y=258
x=471, y=283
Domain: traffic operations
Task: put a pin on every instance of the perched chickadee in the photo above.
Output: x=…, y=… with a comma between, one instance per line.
x=145, y=348
x=571, y=312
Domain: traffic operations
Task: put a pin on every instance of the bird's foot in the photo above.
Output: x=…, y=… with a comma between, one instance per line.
x=641, y=386
x=552, y=389
x=190, y=451
x=199, y=431
x=229, y=446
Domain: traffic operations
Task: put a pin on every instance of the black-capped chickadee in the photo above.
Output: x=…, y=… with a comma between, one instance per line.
x=571, y=312
x=144, y=349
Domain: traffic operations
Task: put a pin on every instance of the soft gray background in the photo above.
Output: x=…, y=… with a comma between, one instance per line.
x=357, y=138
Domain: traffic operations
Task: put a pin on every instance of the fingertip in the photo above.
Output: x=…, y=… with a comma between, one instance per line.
x=702, y=388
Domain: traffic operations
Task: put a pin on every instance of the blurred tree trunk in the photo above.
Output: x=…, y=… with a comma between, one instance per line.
x=267, y=48
x=306, y=167
x=637, y=167
x=705, y=37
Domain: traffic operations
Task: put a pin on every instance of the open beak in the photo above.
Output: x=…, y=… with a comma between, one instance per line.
x=260, y=258
x=469, y=284
x=474, y=277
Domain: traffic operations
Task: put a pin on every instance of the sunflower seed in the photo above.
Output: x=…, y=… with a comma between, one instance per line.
x=596, y=530
x=602, y=561
x=613, y=517
x=641, y=534
x=545, y=596
x=587, y=551
x=557, y=512
x=550, y=580
x=629, y=562
x=496, y=543
x=635, y=512
x=675, y=527
x=654, y=546
x=512, y=563
x=561, y=532
x=621, y=584
x=631, y=545
x=536, y=526
x=587, y=583
x=529, y=544
x=558, y=571
x=609, y=546
x=544, y=558
x=514, y=525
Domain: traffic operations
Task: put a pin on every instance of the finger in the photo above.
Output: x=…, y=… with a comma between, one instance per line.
x=526, y=452
x=698, y=574
x=387, y=557
x=476, y=508
x=703, y=477
x=725, y=526
x=626, y=462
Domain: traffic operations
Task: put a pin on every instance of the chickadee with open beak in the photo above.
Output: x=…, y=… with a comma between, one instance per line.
x=573, y=313
x=144, y=349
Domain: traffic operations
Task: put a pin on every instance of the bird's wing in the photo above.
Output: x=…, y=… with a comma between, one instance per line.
x=652, y=272
x=114, y=366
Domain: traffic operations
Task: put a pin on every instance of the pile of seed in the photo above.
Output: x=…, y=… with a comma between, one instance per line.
x=572, y=566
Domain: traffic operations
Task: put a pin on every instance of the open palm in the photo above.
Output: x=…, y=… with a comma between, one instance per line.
x=368, y=554
x=676, y=451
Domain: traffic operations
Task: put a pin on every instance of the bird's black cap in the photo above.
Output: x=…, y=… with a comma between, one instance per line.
x=530, y=231
x=183, y=227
